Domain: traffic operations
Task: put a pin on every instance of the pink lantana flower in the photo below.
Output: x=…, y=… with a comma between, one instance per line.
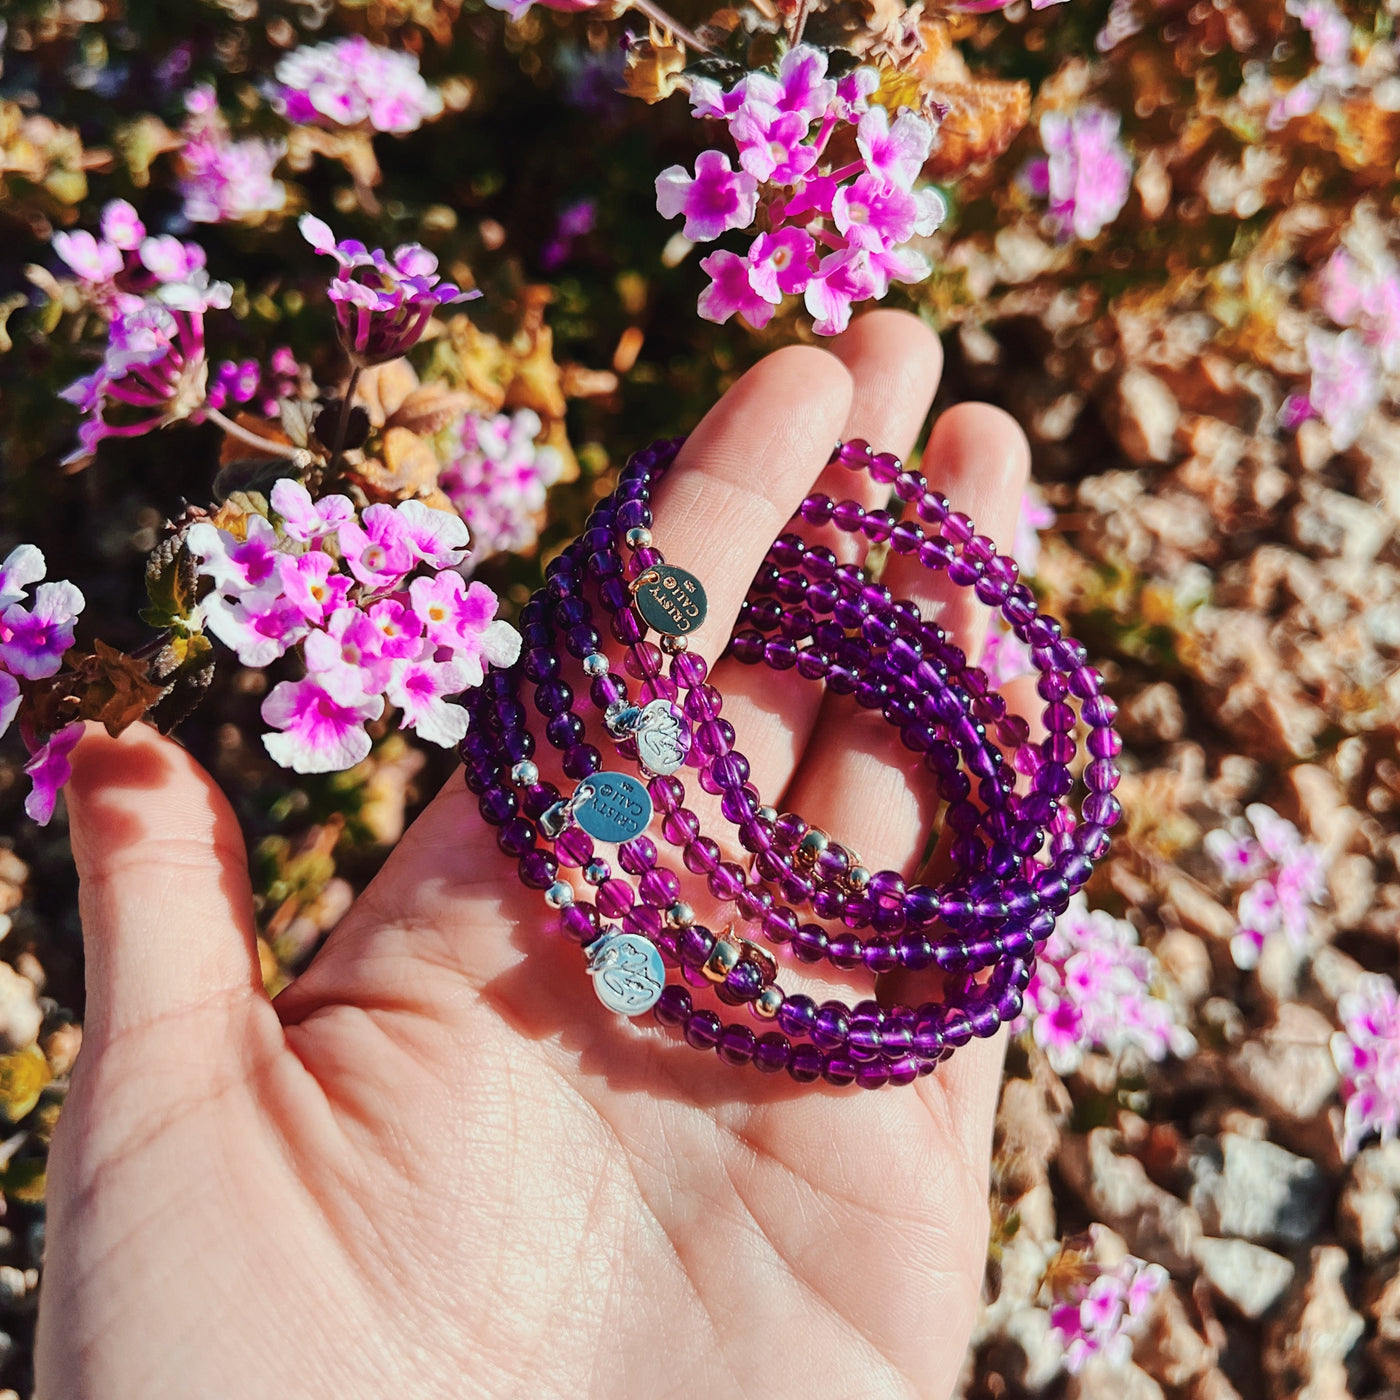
x=895, y=152
x=49, y=770
x=33, y=640
x=1087, y=172
x=10, y=697
x=258, y=627
x=771, y=143
x=376, y=548
x=353, y=83
x=437, y=538
x=304, y=519
x=1345, y=384
x=732, y=291
x=1096, y=1309
x=715, y=199
x=121, y=225
x=22, y=568
x=321, y=721
x=1095, y=986
x=1367, y=1054
x=234, y=564
x=420, y=687
x=311, y=583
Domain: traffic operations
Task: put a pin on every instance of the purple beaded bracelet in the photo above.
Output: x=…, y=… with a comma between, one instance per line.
x=1016, y=854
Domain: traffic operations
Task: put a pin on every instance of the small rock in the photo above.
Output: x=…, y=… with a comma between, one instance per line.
x=1257, y=1191
x=1101, y=1380
x=1153, y=715
x=1186, y=961
x=1147, y=417
x=1170, y=1349
x=1383, y=1304
x=1288, y=1070
x=1214, y=1385
x=1027, y=1137
x=20, y=1016
x=1306, y=1345
x=1251, y=1278
x=1118, y=1192
x=1368, y=1214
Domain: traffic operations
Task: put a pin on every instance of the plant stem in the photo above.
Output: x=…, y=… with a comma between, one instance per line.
x=277, y=449
x=799, y=23
x=343, y=423
x=659, y=16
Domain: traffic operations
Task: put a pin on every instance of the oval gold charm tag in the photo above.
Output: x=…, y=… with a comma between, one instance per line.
x=671, y=601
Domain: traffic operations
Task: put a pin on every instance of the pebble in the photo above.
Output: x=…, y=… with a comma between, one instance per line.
x=20, y=1015
x=1257, y=1190
x=1368, y=1214
x=1306, y=1346
x=1250, y=1277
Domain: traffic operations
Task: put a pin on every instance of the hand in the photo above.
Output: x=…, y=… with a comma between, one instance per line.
x=435, y=1166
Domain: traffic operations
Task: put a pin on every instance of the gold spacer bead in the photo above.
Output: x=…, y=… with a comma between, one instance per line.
x=723, y=959
x=768, y=1003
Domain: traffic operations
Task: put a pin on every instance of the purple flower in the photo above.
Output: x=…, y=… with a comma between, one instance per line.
x=1095, y=986
x=872, y=213
x=717, y=198
x=33, y=641
x=353, y=83
x=420, y=687
x=49, y=769
x=1367, y=297
x=1367, y=1054
x=121, y=225
x=96, y=263
x=460, y=617
x=312, y=585
x=1005, y=657
x=780, y=263
x=1087, y=172
x=498, y=478
x=382, y=304
x=800, y=88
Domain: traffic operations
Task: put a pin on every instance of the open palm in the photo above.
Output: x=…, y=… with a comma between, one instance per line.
x=435, y=1165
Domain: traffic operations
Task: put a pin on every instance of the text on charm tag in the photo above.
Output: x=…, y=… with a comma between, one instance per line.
x=627, y=972
x=670, y=600
x=612, y=807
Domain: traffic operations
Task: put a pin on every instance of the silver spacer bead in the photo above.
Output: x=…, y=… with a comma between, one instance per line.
x=525, y=773
x=559, y=895
x=767, y=815
x=673, y=646
x=597, y=871
x=596, y=664
x=680, y=915
x=638, y=537
x=857, y=878
x=813, y=844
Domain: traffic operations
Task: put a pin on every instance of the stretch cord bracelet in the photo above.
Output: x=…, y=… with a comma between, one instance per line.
x=833, y=624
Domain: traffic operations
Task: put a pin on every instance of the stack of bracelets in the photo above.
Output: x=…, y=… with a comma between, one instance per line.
x=1015, y=850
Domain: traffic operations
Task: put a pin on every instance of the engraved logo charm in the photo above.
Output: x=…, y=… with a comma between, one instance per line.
x=671, y=601
x=662, y=738
x=627, y=972
x=612, y=807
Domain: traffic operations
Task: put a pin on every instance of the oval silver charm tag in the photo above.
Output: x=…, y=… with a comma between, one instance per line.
x=671, y=601
x=662, y=738
x=615, y=810
x=627, y=972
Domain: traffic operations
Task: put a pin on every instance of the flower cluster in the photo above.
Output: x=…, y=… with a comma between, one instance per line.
x=1094, y=986
x=248, y=382
x=1367, y=1053
x=370, y=631
x=836, y=234
x=382, y=304
x=353, y=83
x=34, y=635
x=1086, y=171
x=497, y=480
x=154, y=292
x=1282, y=875
x=223, y=180
x=1096, y=1309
